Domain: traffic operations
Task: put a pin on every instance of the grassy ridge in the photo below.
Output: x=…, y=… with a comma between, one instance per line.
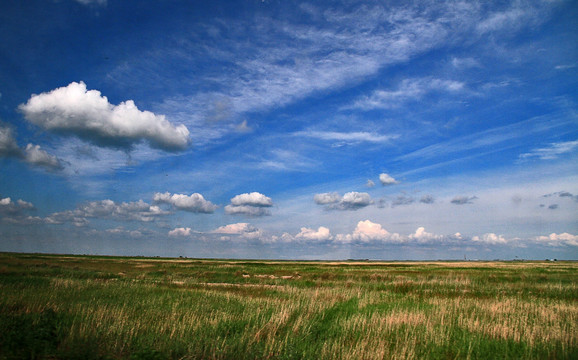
x=74, y=307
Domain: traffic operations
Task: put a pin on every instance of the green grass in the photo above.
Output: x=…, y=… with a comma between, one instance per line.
x=89, y=307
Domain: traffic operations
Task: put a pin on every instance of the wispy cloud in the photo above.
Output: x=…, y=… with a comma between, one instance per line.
x=347, y=137
x=92, y=2
x=260, y=72
x=500, y=137
x=552, y=151
x=408, y=90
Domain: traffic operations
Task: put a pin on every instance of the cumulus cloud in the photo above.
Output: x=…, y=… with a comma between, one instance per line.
x=462, y=200
x=367, y=231
x=321, y=234
x=369, y=183
x=195, y=203
x=246, y=210
x=8, y=145
x=86, y=114
x=490, y=238
x=408, y=200
x=386, y=179
x=349, y=201
x=427, y=199
x=327, y=198
x=17, y=212
x=354, y=200
x=252, y=204
x=32, y=154
x=402, y=200
x=245, y=230
x=107, y=209
x=423, y=236
x=9, y=207
x=559, y=239
x=180, y=232
x=238, y=228
x=252, y=199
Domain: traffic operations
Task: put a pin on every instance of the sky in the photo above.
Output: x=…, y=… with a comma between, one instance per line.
x=269, y=129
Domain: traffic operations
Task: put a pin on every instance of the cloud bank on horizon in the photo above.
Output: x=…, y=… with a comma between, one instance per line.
x=260, y=129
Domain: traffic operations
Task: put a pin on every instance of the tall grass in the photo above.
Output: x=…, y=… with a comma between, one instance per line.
x=74, y=307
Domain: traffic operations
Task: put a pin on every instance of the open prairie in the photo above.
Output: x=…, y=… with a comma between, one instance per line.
x=87, y=307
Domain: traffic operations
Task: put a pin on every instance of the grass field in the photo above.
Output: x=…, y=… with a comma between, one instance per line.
x=83, y=307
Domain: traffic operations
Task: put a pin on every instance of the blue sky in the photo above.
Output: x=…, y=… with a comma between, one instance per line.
x=286, y=129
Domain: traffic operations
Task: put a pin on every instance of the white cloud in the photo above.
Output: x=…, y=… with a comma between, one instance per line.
x=348, y=137
x=386, y=179
x=490, y=238
x=423, y=236
x=252, y=204
x=553, y=151
x=245, y=230
x=92, y=2
x=409, y=89
x=327, y=198
x=17, y=212
x=465, y=63
x=243, y=127
x=8, y=145
x=321, y=234
x=238, y=228
x=193, y=203
x=32, y=155
x=246, y=210
x=88, y=115
x=180, y=232
x=36, y=156
x=369, y=183
x=355, y=200
x=494, y=139
x=107, y=209
x=367, y=231
x=349, y=201
x=8, y=207
x=559, y=239
x=518, y=15
x=252, y=199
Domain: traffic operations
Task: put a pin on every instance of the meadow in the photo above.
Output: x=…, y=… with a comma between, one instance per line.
x=88, y=307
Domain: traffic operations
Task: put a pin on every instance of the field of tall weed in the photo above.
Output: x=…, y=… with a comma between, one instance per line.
x=82, y=307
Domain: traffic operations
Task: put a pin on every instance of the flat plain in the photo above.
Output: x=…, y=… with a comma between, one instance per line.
x=96, y=307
